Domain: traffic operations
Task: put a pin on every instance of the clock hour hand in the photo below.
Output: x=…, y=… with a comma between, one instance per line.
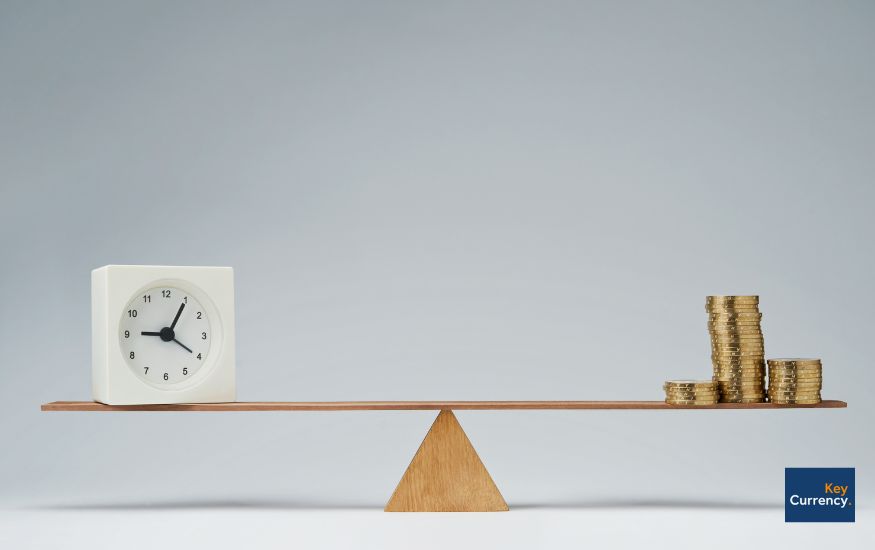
x=146, y=333
x=178, y=313
x=183, y=345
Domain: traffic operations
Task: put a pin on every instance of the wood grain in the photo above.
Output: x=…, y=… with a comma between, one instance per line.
x=91, y=406
x=446, y=475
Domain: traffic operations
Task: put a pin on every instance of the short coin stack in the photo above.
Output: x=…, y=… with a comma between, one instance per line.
x=691, y=392
x=795, y=381
x=737, y=349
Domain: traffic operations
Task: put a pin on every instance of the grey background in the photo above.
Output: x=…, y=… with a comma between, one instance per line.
x=439, y=200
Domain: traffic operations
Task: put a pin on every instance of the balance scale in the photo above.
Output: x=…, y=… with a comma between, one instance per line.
x=446, y=474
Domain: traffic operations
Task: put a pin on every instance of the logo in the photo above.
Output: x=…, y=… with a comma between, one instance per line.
x=819, y=494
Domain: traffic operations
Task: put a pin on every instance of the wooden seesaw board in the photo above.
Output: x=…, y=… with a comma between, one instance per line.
x=446, y=474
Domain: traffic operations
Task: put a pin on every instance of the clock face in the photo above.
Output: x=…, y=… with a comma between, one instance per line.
x=165, y=335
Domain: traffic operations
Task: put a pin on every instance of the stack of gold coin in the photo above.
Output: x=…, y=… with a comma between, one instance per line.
x=795, y=381
x=691, y=392
x=737, y=350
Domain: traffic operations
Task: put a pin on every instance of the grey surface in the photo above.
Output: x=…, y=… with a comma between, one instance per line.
x=440, y=201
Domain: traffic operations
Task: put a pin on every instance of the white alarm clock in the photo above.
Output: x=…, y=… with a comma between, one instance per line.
x=162, y=334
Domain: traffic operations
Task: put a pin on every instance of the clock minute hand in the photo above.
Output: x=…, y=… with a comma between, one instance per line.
x=178, y=313
x=183, y=345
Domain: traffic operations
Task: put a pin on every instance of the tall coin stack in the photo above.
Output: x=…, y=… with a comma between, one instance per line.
x=795, y=381
x=691, y=392
x=737, y=349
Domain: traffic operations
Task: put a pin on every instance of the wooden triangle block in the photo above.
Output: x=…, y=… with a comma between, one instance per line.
x=446, y=475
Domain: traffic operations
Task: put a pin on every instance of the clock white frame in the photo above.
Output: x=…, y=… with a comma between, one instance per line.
x=113, y=287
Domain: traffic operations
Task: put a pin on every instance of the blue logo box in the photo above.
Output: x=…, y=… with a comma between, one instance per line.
x=819, y=495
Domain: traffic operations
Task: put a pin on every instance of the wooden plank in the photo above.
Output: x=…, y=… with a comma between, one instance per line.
x=92, y=406
x=446, y=475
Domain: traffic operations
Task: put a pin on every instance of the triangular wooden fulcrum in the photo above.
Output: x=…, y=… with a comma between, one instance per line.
x=446, y=475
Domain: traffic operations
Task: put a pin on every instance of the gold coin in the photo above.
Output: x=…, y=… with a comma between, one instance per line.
x=732, y=319
x=712, y=397
x=793, y=398
x=795, y=372
x=733, y=298
x=745, y=400
x=736, y=305
x=750, y=344
x=761, y=399
x=732, y=309
x=715, y=397
x=777, y=391
x=724, y=312
x=795, y=360
x=738, y=371
x=690, y=383
x=795, y=377
x=795, y=401
x=736, y=341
